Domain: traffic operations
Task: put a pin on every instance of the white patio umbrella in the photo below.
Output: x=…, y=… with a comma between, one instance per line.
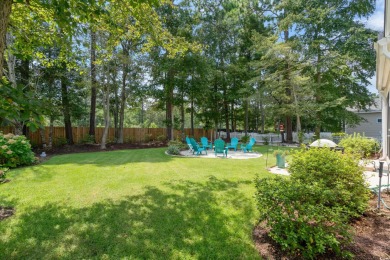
x=323, y=143
x=382, y=48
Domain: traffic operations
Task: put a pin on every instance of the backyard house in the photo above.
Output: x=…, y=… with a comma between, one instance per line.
x=371, y=126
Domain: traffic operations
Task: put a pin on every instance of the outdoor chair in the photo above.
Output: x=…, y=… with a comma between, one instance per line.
x=248, y=147
x=233, y=144
x=189, y=144
x=205, y=143
x=196, y=148
x=219, y=147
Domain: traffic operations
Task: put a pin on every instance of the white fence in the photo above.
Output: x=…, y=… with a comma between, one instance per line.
x=277, y=138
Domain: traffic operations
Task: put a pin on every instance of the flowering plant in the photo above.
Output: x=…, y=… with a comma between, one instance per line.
x=15, y=150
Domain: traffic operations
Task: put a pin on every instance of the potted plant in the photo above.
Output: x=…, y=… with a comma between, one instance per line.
x=280, y=158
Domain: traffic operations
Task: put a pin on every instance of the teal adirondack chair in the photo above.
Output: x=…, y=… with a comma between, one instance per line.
x=248, y=147
x=219, y=147
x=189, y=144
x=197, y=149
x=233, y=144
x=205, y=143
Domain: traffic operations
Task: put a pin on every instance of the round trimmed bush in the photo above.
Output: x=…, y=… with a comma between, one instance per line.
x=173, y=149
x=339, y=175
x=359, y=145
x=308, y=213
x=15, y=150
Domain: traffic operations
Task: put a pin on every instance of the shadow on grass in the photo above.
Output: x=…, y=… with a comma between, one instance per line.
x=195, y=220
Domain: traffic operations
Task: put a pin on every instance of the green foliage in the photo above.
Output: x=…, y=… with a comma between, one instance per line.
x=19, y=106
x=359, y=145
x=299, y=218
x=282, y=153
x=3, y=174
x=309, y=213
x=339, y=134
x=88, y=139
x=173, y=149
x=339, y=175
x=245, y=139
x=148, y=137
x=265, y=140
x=179, y=144
x=161, y=138
x=301, y=136
x=60, y=141
x=15, y=150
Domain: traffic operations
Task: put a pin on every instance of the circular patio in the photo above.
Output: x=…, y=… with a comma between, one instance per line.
x=231, y=155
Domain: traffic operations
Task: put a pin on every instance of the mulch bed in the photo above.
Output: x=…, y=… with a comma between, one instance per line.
x=371, y=240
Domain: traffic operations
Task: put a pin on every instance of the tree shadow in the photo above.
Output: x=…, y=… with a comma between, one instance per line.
x=183, y=220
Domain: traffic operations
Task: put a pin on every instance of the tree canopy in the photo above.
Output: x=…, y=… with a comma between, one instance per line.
x=229, y=64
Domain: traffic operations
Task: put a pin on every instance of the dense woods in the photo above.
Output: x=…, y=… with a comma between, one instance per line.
x=247, y=65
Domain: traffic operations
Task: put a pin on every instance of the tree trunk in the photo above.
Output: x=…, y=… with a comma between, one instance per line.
x=226, y=108
x=51, y=129
x=246, y=116
x=106, y=109
x=182, y=115
x=289, y=129
x=116, y=115
x=92, y=115
x=66, y=109
x=192, y=116
x=299, y=127
x=123, y=97
x=232, y=116
x=142, y=113
x=169, y=104
x=42, y=133
x=5, y=12
x=125, y=71
x=11, y=60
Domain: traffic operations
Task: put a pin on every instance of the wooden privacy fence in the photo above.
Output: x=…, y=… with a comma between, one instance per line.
x=130, y=135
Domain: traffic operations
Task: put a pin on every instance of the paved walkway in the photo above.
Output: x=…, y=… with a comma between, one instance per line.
x=231, y=155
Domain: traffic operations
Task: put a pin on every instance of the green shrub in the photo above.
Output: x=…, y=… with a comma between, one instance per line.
x=3, y=174
x=60, y=141
x=308, y=214
x=148, y=138
x=359, y=145
x=173, y=149
x=299, y=220
x=88, y=139
x=245, y=139
x=301, y=137
x=161, y=138
x=178, y=144
x=339, y=134
x=338, y=174
x=15, y=150
x=266, y=140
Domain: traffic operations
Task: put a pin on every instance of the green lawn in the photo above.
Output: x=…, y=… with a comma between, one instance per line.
x=134, y=204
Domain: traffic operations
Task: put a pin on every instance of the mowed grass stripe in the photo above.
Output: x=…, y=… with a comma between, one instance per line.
x=134, y=204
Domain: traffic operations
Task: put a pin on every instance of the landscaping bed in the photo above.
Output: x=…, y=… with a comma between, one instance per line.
x=371, y=240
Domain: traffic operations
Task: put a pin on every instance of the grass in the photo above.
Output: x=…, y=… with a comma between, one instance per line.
x=133, y=204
